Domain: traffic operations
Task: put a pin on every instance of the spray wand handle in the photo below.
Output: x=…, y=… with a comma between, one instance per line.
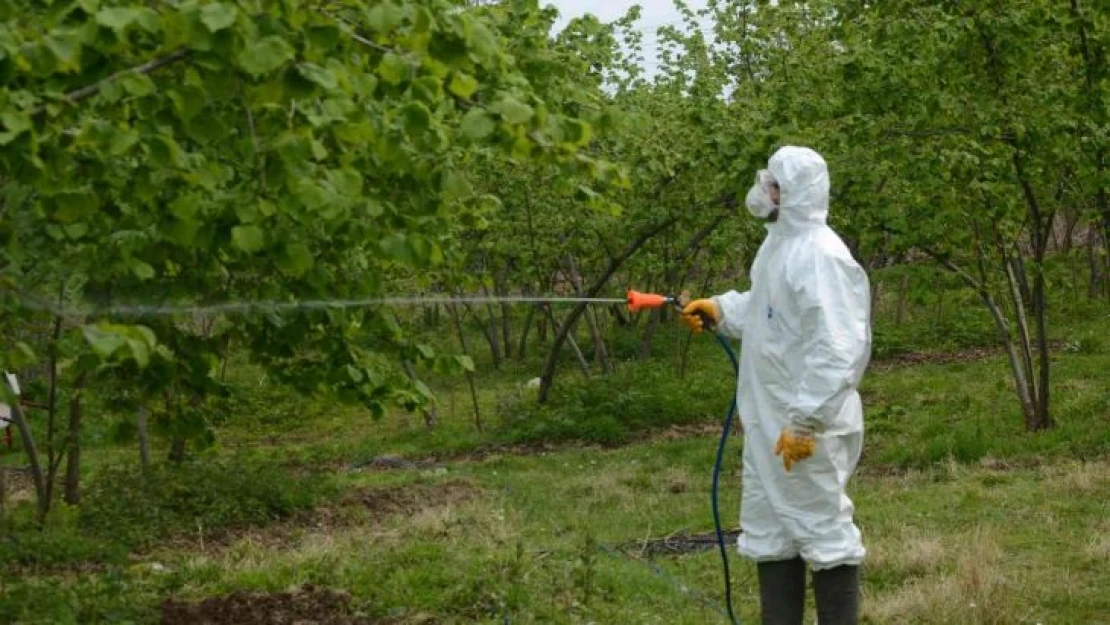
x=641, y=301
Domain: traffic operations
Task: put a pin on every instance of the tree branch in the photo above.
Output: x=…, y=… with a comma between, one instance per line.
x=90, y=90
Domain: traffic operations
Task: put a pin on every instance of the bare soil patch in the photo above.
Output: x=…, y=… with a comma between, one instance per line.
x=409, y=498
x=307, y=605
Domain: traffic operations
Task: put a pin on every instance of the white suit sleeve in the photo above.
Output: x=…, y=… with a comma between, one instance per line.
x=734, y=310
x=834, y=303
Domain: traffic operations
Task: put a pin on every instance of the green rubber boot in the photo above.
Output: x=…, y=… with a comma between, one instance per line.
x=782, y=591
x=837, y=593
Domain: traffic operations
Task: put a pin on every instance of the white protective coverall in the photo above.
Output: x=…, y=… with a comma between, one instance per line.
x=805, y=326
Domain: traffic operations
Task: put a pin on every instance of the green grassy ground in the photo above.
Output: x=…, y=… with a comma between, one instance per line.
x=967, y=518
x=537, y=539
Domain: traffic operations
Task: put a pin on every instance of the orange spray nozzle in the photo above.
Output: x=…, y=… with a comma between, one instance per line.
x=639, y=301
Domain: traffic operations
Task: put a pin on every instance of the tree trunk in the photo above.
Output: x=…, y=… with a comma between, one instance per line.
x=903, y=299
x=177, y=449
x=19, y=419
x=457, y=322
x=489, y=330
x=73, y=450
x=522, y=349
x=1025, y=342
x=940, y=305
x=583, y=364
x=1040, y=308
x=617, y=312
x=1022, y=277
x=654, y=322
x=1094, y=264
x=674, y=276
x=144, y=445
x=548, y=375
x=1094, y=73
x=600, y=355
x=53, y=454
x=1023, y=385
x=507, y=330
x=876, y=297
x=1040, y=227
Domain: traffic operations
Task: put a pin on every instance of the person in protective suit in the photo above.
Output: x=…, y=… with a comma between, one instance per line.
x=806, y=331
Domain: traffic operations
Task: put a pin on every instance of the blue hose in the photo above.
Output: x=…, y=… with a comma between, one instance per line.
x=716, y=481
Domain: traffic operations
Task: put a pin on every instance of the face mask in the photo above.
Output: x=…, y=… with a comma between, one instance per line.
x=759, y=197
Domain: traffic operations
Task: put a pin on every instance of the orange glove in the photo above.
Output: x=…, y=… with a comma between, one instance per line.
x=795, y=443
x=706, y=307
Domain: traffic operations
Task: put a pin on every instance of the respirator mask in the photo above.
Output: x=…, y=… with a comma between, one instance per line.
x=759, y=196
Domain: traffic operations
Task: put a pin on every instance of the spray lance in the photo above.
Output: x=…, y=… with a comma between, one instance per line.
x=645, y=301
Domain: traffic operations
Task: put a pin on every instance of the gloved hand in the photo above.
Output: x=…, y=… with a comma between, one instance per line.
x=795, y=443
x=707, y=307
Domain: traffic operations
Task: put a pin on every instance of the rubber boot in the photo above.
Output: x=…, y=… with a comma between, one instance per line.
x=837, y=593
x=782, y=591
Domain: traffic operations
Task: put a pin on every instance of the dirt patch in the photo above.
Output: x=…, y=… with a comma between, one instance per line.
x=974, y=354
x=987, y=464
x=307, y=605
x=358, y=506
x=490, y=453
x=678, y=544
x=409, y=498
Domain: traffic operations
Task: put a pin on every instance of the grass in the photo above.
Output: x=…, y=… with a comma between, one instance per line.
x=535, y=538
x=967, y=518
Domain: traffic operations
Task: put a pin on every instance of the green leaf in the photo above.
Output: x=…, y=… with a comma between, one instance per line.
x=265, y=55
x=383, y=17
x=347, y=182
x=482, y=42
x=318, y=75
x=578, y=132
x=66, y=49
x=185, y=206
x=429, y=89
x=354, y=373
x=70, y=206
x=121, y=140
x=512, y=110
x=103, y=340
x=141, y=269
x=295, y=259
x=455, y=186
x=138, y=85
x=477, y=124
x=15, y=124
x=323, y=37
x=165, y=152
x=217, y=16
x=365, y=84
x=417, y=118
x=399, y=248
x=118, y=18
x=76, y=231
x=393, y=69
x=425, y=251
x=463, y=85
x=247, y=238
